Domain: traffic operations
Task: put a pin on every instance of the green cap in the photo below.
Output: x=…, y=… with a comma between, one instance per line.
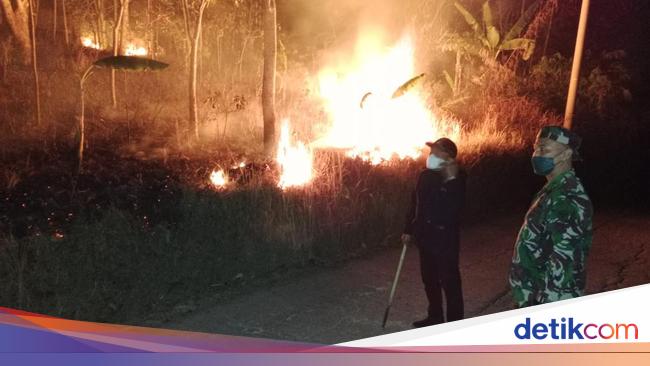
x=562, y=136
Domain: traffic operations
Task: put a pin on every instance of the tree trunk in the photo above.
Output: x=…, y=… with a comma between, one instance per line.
x=65, y=23
x=37, y=88
x=54, y=21
x=17, y=17
x=268, y=79
x=117, y=42
x=101, y=23
x=194, y=52
x=124, y=24
x=149, y=30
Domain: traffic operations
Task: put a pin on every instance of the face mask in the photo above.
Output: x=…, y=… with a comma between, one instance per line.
x=543, y=165
x=434, y=162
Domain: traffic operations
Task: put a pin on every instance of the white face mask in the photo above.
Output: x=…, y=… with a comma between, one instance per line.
x=434, y=162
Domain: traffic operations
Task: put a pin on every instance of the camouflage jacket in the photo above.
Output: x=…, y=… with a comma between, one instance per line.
x=549, y=258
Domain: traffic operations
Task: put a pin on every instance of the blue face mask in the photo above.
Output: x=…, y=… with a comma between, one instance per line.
x=544, y=165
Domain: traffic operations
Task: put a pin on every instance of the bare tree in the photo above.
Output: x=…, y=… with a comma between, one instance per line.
x=54, y=9
x=117, y=40
x=17, y=16
x=65, y=23
x=268, y=82
x=37, y=88
x=193, y=39
x=101, y=27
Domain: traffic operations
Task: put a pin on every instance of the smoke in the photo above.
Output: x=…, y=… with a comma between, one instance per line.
x=337, y=22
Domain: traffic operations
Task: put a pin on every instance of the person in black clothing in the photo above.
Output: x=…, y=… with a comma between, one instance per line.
x=432, y=222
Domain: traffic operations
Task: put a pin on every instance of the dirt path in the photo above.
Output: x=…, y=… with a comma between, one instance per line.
x=347, y=303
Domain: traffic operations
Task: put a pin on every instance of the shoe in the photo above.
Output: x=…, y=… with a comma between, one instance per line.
x=425, y=323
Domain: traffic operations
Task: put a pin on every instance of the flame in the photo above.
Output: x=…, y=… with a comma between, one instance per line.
x=295, y=160
x=90, y=43
x=131, y=48
x=218, y=179
x=365, y=119
x=240, y=165
x=134, y=50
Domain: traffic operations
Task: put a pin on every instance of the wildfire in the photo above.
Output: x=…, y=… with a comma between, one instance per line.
x=366, y=118
x=133, y=50
x=90, y=43
x=295, y=160
x=218, y=179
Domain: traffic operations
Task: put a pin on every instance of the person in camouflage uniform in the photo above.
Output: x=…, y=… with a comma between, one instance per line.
x=550, y=254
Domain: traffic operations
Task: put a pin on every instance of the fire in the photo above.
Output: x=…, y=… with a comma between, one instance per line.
x=131, y=48
x=218, y=179
x=90, y=43
x=295, y=160
x=134, y=50
x=365, y=118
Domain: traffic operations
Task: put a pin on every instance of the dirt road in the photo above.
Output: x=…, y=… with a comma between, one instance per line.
x=347, y=303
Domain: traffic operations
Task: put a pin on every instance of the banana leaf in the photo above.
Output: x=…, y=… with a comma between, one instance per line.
x=524, y=44
x=469, y=18
x=522, y=22
x=130, y=63
x=404, y=88
x=487, y=15
x=493, y=37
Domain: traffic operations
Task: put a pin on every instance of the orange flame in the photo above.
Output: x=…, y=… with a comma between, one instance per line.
x=90, y=43
x=131, y=49
x=218, y=179
x=366, y=119
x=134, y=50
x=295, y=160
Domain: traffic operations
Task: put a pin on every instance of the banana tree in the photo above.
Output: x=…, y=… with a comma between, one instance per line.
x=487, y=36
x=126, y=63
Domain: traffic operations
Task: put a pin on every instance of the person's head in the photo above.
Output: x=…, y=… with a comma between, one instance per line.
x=555, y=150
x=442, y=151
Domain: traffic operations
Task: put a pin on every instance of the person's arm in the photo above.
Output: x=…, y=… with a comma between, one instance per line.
x=567, y=255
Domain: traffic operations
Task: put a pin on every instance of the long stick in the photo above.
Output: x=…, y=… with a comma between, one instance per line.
x=577, y=60
x=392, y=290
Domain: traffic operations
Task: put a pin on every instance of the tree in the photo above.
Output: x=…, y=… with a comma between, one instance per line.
x=118, y=33
x=268, y=82
x=17, y=16
x=487, y=37
x=37, y=87
x=193, y=39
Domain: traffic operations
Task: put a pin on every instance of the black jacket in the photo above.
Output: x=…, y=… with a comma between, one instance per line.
x=434, y=214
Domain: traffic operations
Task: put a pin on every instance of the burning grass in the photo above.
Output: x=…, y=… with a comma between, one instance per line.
x=137, y=237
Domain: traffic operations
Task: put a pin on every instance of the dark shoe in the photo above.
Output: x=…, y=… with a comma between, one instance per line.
x=425, y=323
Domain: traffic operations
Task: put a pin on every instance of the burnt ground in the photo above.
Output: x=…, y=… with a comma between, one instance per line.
x=346, y=303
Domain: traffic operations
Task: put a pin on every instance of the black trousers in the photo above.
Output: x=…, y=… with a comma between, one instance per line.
x=440, y=272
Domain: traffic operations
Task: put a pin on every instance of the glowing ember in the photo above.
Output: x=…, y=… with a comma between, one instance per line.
x=218, y=179
x=240, y=165
x=133, y=50
x=295, y=161
x=90, y=43
x=365, y=118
